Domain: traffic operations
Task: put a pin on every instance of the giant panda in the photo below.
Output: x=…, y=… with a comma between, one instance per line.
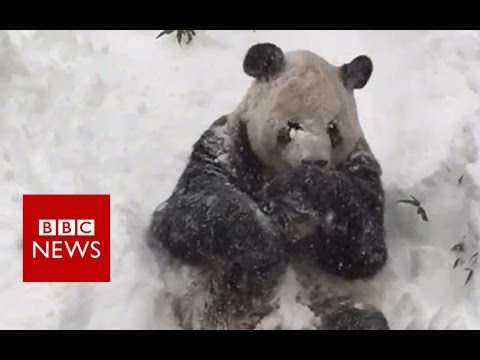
x=284, y=184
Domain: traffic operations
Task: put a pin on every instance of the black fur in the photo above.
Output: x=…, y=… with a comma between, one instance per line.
x=230, y=212
x=211, y=214
x=336, y=138
x=346, y=206
x=344, y=317
x=263, y=61
x=283, y=136
x=357, y=73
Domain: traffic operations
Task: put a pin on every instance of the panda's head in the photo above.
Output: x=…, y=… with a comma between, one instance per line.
x=300, y=108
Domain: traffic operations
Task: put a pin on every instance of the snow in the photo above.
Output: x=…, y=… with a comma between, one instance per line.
x=117, y=112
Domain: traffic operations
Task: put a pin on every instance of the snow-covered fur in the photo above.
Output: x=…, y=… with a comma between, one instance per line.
x=256, y=201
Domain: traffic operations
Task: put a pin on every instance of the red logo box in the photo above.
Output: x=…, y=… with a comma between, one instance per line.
x=66, y=238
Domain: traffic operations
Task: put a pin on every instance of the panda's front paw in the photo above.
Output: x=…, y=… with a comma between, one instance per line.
x=345, y=317
x=260, y=257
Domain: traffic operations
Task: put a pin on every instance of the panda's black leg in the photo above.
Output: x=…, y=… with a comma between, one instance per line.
x=348, y=317
x=240, y=298
x=222, y=231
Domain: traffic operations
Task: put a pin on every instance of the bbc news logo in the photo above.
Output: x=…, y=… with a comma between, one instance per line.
x=66, y=238
x=54, y=249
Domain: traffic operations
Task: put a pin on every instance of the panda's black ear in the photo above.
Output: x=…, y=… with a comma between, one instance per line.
x=357, y=73
x=263, y=61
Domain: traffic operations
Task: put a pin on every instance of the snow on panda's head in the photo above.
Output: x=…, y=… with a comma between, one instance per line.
x=300, y=104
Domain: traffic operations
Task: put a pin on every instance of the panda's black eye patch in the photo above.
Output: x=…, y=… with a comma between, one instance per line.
x=283, y=135
x=336, y=138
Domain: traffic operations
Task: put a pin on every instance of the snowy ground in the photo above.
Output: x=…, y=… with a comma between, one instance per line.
x=117, y=111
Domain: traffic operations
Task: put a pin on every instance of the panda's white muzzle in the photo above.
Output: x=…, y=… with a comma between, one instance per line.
x=306, y=146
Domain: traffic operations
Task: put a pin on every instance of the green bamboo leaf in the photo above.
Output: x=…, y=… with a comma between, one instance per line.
x=469, y=276
x=474, y=258
x=457, y=262
x=164, y=32
x=409, y=202
x=417, y=202
x=460, y=247
x=423, y=214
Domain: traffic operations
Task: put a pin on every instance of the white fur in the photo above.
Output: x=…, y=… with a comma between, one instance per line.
x=306, y=145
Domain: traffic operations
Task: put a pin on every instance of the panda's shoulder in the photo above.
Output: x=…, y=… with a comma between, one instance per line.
x=212, y=129
x=224, y=148
x=212, y=152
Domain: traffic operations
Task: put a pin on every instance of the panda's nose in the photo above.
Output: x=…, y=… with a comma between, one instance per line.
x=294, y=125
